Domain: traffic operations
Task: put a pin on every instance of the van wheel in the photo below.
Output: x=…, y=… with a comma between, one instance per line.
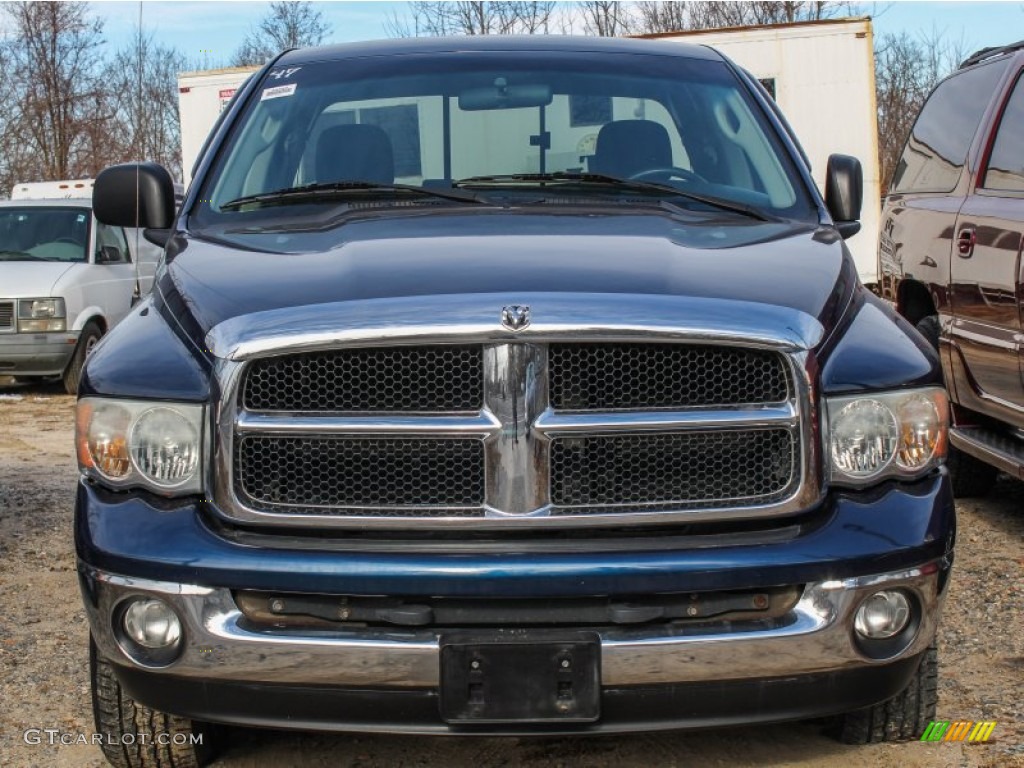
x=86, y=341
x=901, y=718
x=133, y=734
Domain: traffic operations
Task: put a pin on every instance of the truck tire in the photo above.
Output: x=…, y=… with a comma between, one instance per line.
x=901, y=718
x=970, y=477
x=91, y=333
x=131, y=731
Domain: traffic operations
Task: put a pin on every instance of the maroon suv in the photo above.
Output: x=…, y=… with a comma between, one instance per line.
x=950, y=256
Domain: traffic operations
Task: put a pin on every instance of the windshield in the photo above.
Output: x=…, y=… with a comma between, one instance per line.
x=511, y=126
x=36, y=233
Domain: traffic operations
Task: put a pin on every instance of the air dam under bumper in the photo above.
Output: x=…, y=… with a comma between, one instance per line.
x=806, y=664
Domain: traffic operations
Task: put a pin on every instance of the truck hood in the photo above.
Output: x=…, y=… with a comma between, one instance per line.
x=30, y=279
x=511, y=254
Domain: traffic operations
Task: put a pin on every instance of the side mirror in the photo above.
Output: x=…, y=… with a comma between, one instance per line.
x=134, y=195
x=844, y=192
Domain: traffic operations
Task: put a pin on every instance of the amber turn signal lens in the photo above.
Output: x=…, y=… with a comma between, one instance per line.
x=102, y=438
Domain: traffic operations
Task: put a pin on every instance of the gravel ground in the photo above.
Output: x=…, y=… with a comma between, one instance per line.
x=43, y=658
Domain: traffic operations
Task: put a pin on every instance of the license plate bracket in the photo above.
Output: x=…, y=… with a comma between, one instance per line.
x=520, y=680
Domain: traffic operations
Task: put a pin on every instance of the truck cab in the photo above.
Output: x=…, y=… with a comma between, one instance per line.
x=65, y=279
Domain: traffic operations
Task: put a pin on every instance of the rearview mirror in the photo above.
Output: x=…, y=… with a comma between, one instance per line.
x=109, y=254
x=504, y=96
x=134, y=195
x=844, y=191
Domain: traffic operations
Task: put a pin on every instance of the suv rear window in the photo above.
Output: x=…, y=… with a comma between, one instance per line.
x=937, y=148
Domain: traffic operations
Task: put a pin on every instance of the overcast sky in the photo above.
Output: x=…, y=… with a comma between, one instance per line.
x=212, y=30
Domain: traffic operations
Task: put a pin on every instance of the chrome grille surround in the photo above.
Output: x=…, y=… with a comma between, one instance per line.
x=517, y=426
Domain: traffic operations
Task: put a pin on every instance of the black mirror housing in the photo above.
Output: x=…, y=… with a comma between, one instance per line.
x=134, y=195
x=844, y=193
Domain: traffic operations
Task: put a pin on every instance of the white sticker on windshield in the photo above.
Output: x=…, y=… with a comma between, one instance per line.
x=278, y=91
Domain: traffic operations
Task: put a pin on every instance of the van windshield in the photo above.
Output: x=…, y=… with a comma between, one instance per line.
x=479, y=126
x=38, y=233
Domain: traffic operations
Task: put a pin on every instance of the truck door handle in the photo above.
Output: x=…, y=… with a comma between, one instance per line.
x=965, y=242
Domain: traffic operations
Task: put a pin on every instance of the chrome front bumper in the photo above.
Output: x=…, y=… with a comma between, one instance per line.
x=816, y=636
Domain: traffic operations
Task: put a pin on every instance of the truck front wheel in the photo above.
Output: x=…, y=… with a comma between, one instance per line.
x=901, y=718
x=135, y=736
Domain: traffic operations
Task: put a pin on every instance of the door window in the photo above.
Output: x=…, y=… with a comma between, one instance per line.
x=1006, y=165
x=111, y=247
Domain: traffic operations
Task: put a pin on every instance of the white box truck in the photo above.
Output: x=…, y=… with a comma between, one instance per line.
x=201, y=98
x=65, y=279
x=822, y=75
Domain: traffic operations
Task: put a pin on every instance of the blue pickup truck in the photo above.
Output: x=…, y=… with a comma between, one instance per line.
x=506, y=386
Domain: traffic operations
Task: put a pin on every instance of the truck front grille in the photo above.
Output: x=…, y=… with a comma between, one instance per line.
x=677, y=471
x=521, y=434
x=661, y=376
x=413, y=379
x=6, y=315
x=391, y=476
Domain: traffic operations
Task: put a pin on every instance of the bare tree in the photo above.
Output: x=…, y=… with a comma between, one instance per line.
x=471, y=17
x=143, y=96
x=54, y=90
x=603, y=18
x=287, y=25
x=711, y=14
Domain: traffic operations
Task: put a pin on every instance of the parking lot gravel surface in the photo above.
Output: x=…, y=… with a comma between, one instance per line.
x=44, y=659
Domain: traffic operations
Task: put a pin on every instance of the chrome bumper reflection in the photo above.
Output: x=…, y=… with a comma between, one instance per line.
x=816, y=636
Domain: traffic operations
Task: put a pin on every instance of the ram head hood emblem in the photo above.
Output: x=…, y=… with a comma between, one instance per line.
x=515, y=317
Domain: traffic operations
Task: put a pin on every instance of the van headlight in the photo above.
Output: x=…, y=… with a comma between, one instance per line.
x=132, y=443
x=889, y=434
x=41, y=315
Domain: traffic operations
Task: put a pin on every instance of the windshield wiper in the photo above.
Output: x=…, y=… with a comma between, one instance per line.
x=335, y=189
x=19, y=256
x=601, y=179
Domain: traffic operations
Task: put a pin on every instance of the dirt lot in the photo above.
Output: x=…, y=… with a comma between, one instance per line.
x=43, y=646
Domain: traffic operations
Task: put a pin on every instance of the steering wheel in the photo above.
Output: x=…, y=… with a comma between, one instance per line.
x=66, y=240
x=666, y=173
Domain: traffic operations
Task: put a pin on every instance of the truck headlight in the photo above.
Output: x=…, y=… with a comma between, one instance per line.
x=131, y=443
x=888, y=434
x=41, y=315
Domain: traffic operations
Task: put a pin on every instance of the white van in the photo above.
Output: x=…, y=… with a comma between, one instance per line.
x=65, y=279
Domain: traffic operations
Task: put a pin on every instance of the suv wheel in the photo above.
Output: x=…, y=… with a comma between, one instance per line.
x=901, y=718
x=91, y=334
x=132, y=732
x=970, y=477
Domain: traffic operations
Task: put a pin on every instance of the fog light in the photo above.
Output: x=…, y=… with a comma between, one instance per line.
x=152, y=624
x=882, y=615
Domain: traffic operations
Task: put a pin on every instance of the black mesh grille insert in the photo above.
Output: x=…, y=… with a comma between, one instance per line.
x=427, y=379
x=659, y=376
x=679, y=470
x=305, y=474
